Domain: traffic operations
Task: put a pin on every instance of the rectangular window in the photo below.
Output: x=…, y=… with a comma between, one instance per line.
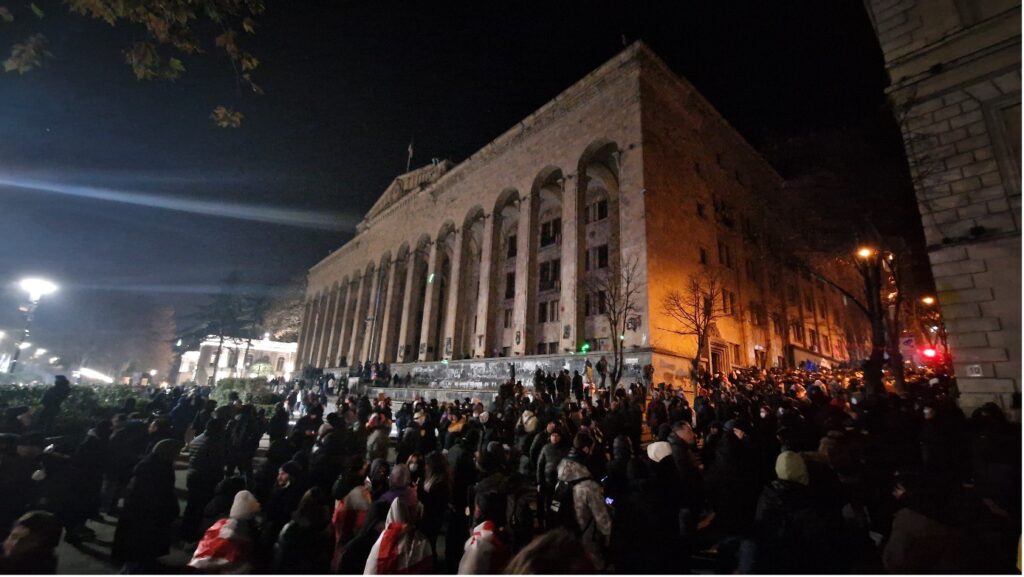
x=736, y=358
x=814, y=337
x=703, y=255
x=542, y=348
x=586, y=305
x=280, y=364
x=602, y=303
x=506, y=351
x=724, y=257
x=550, y=274
x=542, y=313
x=809, y=303
x=826, y=344
x=597, y=211
x=510, y=285
x=512, y=248
x=798, y=331
x=777, y=327
x=508, y=319
x=601, y=254
x=822, y=309
x=551, y=232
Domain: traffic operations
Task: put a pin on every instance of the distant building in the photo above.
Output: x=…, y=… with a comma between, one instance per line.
x=459, y=271
x=238, y=358
x=954, y=69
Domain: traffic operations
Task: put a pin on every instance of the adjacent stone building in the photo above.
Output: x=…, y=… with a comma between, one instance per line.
x=954, y=68
x=459, y=270
x=239, y=358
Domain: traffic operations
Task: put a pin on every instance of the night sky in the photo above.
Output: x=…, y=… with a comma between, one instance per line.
x=91, y=159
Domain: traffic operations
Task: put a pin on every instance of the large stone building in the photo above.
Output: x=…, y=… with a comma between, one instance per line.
x=487, y=260
x=954, y=68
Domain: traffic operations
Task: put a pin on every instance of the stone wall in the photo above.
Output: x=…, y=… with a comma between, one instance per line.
x=955, y=72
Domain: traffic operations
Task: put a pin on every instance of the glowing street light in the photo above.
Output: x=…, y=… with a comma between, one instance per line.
x=36, y=288
x=152, y=372
x=928, y=300
x=24, y=345
x=865, y=252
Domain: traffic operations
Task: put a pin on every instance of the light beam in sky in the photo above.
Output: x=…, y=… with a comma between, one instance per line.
x=214, y=208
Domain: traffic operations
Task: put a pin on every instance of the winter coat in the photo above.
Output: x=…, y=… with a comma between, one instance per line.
x=303, y=549
x=588, y=503
x=547, y=464
x=687, y=464
x=377, y=445
x=486, y=552
x=150, y=506
x=206, y=456
x=793, y=534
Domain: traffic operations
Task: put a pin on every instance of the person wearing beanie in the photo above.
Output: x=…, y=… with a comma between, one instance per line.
x=278, y=509
x=229, y=545
x=793, y=533
x=150, y=507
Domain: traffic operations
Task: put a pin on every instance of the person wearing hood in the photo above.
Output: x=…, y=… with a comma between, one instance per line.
x=435, y=494
x=645, y=528
x=150, y=507
x=464, y=473
x=487, y=550
x=379, y=478
x=288, y=491
x=304, y=544
x=229, y=545
x=616, y=483
x=551, y=455
x=792, y=533
x=732, y=481
x=591, y=512
x=401, y=547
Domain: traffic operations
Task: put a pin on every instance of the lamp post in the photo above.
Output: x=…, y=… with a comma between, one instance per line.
x=869, y=265
x=36, y=288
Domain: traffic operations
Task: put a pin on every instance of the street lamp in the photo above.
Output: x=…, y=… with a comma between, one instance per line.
x=865, y=252
x=36, y=288
x=928, y=300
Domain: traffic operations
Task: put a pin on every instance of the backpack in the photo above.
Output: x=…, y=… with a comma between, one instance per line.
x=562, y=509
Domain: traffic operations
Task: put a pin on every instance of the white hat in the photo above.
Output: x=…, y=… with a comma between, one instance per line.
x=658, y=450
x=245, y=506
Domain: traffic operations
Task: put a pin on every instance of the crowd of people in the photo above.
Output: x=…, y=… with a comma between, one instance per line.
x=767, y=471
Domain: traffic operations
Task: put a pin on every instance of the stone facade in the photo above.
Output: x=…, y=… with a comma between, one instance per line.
x=955, y=68
x=488, y=260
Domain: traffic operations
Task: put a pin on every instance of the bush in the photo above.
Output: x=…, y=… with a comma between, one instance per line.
x=86, y=404
x=255, y=391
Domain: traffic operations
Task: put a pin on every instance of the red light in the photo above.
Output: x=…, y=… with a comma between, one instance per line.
x=930, y=353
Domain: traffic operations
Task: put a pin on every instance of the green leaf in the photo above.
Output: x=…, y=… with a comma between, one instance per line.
x=176, y=65
x=37, y=10
x=6, y=15
x=249, y=25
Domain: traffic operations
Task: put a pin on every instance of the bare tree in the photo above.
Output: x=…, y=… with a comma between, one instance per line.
x=619, y=294
x=694, y=309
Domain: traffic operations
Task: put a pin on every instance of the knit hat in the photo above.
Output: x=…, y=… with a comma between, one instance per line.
x=658, y=450
x=790, y=466
x=245, y=506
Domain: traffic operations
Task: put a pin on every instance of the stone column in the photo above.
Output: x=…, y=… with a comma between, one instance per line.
x=370, y=327
x=525, y=257
x=406, y=355
x=450, y=331
x=321, y=305
x=574, y=246
x=325, y=328
x=338, y=325
x=431, y=306
x=483, y=308
x=387, y=336
x=353, y=347
x=304, y=335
